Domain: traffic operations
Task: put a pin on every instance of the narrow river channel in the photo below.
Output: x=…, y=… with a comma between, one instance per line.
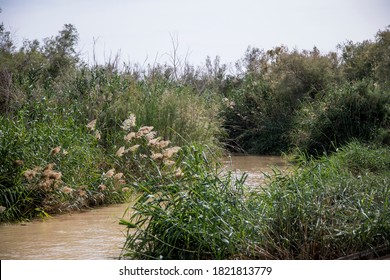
x=96, y=233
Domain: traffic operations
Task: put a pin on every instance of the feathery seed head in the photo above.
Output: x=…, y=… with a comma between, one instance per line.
x=110, y=173
x=91, y=125
x=30, y=174
x=120, y=152
x=118, y=176
x=129, y=136
x=133, y=148
x=55, y=150
x=129, y=122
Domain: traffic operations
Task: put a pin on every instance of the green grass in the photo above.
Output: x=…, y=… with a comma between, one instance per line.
x=331, y=207
x=328, y=208
x=196, y=216
x=73, y=160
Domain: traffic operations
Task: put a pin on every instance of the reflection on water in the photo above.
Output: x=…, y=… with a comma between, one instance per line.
x=96, y=233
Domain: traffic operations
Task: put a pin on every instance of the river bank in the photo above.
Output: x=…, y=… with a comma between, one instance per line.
x=93, y=234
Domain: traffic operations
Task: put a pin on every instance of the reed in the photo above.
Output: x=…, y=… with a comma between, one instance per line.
x=197, y=215
x=49, y=166
x=328, y=208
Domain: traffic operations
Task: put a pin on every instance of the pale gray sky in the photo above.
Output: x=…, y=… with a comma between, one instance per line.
x=142, y=28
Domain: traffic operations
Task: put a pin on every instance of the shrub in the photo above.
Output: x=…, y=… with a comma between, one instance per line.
x=351, y=112
x=256, y=122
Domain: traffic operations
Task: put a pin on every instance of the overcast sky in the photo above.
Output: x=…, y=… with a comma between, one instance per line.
x=143, y=28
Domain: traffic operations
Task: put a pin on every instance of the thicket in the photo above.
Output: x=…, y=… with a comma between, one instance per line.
x=288, y=99
x=74, y=135
x=49, y=99
x=271, y=101
x=329, y=208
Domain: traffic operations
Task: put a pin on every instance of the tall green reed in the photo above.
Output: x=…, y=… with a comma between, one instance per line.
x=197, y=215
x=326, y=209
x=331, y=207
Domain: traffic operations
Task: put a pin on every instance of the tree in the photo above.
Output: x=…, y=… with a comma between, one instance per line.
x=60, y=51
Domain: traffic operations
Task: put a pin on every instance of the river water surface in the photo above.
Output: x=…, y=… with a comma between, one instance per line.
x=96, y=234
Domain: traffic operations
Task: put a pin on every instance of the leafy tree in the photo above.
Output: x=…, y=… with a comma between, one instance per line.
x=60, y=51
x=368, y=60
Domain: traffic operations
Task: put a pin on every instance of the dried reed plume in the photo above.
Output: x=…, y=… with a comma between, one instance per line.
x=129, y=122
x=129, y=136
x=169, y=162
x=150, y=135
x=178, y=173
x=30, y=174
x=55, y=150
x=110, y=173
x=163, y=144
x=133, y=148
x=120, y=151
x=146, y=129
x=156, y=156
x=169, y=152
x=91, y=125
x=98, y=135
x=154, y=142
x=67, y=190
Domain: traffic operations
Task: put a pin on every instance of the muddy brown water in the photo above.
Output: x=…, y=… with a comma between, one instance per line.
x=257, y=168
x=96, y=234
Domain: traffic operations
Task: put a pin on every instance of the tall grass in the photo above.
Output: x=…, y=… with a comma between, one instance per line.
x=50, y=165
x=176, y=112
x=329, y=208
x=194, y=216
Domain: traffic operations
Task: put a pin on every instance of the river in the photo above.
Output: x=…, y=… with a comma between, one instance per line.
x=96, y=234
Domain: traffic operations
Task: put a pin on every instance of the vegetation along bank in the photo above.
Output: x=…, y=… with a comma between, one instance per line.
x=76, y=135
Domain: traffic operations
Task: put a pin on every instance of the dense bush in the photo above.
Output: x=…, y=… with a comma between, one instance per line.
x=255, y=121
x=350, y=112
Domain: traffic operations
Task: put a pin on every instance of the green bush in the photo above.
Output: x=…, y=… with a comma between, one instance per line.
x=347, y=113
x=256, y=122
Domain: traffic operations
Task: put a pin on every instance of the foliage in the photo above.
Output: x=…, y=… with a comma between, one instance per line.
x=350, y=112
x=270, y=93
x=49, y=166
x=328, y=208
x=273, y=101
x=368, y=60
x=197, y=215
x=254, y=120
